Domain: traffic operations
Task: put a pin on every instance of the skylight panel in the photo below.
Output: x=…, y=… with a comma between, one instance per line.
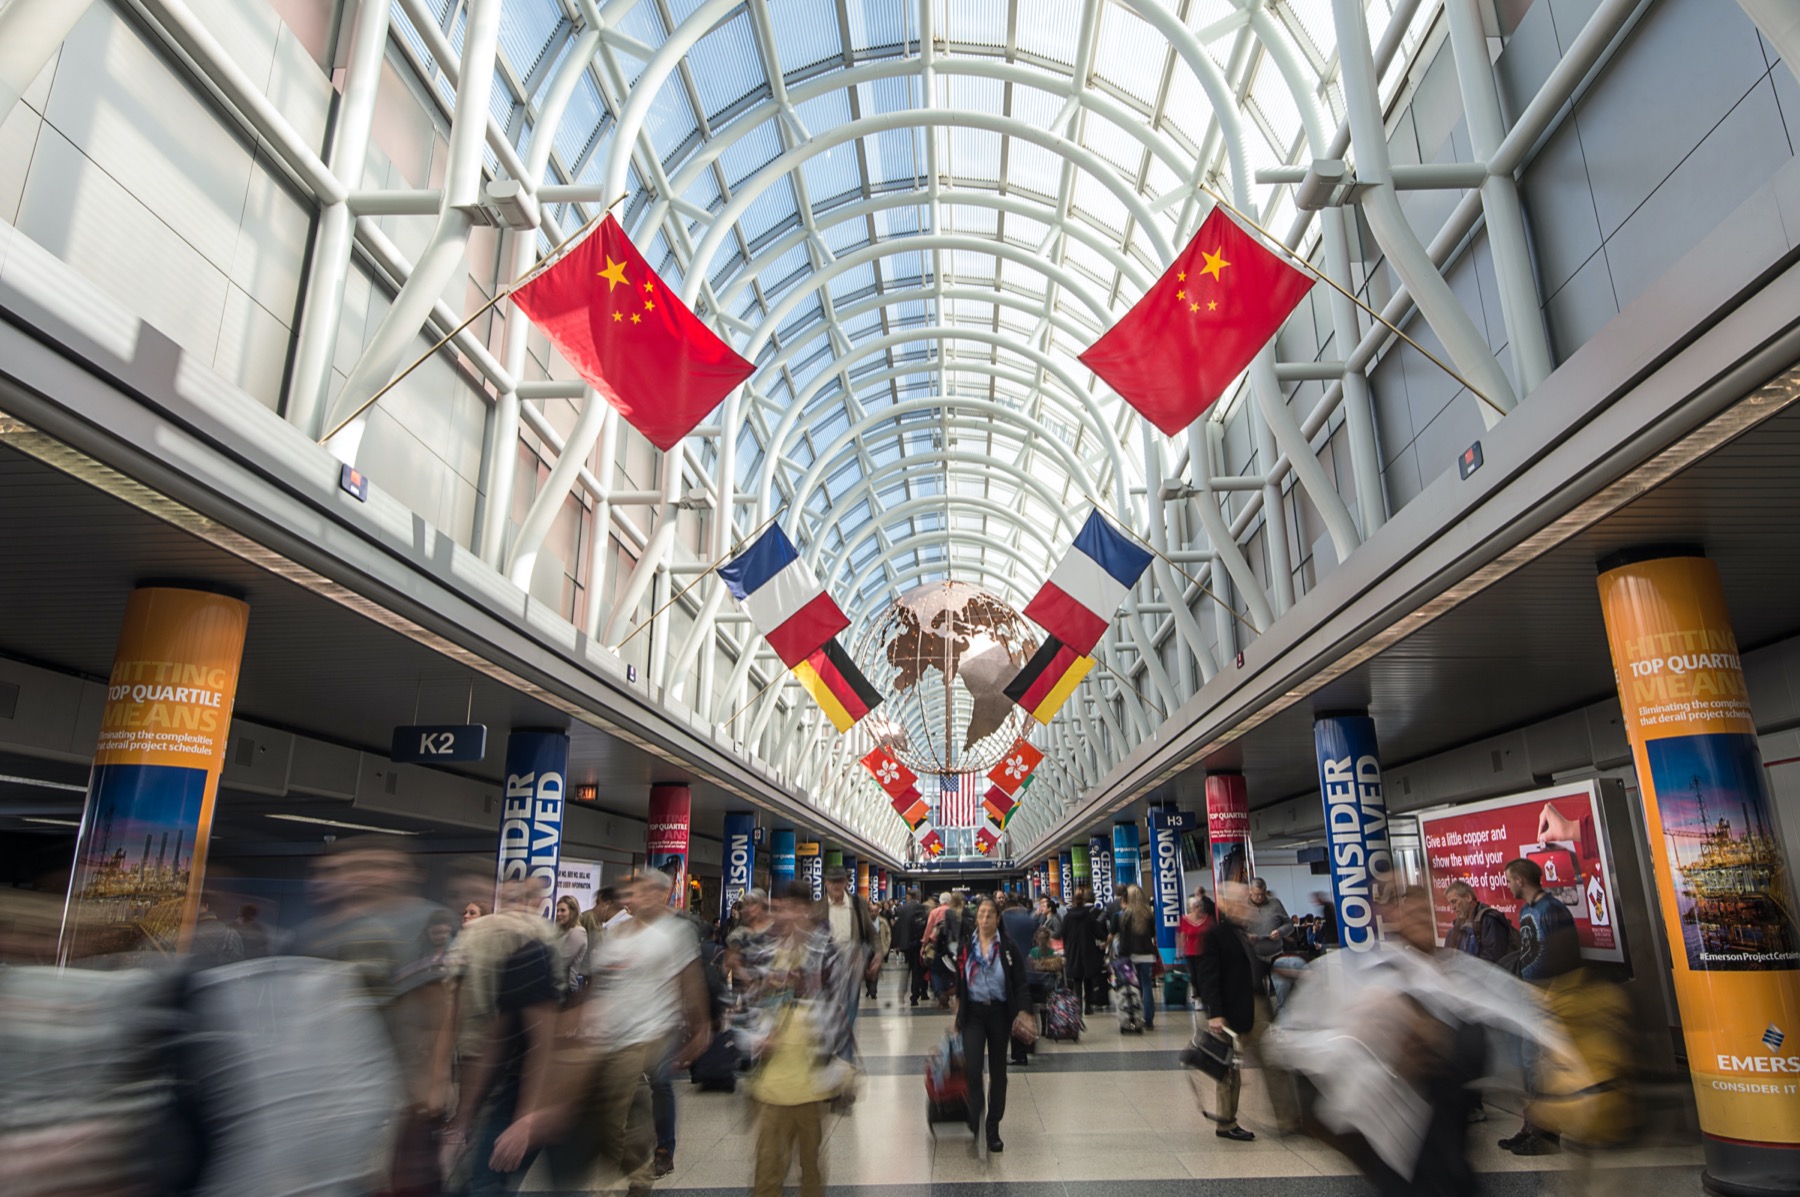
x=974, y=154
x=774, y=209
x=1033, y=168
x=806, y=32
x=852, y=281
x=1112, y=143
x=750, y=153
x=876, y=23
x=643, y=23
x=1051, y=30
x=526, y=30
x=580, y=121
x=1098, y=202
x=832, y=173
x=896, y=155
x=1129, y=54
x=671, y=119
x=726, y=66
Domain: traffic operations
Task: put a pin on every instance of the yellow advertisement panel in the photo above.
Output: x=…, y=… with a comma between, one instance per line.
x=1724, y=886
x=141, y=853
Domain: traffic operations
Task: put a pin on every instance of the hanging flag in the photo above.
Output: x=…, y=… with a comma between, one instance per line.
x=1015, y=768
x=1077, y=602
x=958, y=805
x=932, y=843
x=999, y=806
x=1048, y=679
x=917, y=814
x=630, y=337
x=986, y=841
x=837, y=685
x=889, y=773
x=783, y=598
x=1199, y=325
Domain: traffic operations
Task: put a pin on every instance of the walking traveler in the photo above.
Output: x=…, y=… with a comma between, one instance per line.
x=1084, y=951
x=1548, y=948
x=571, y=942
x=884, y=943
x=954, y=925
x=1192, y=937
x=847, y=918
x=990, y=1000
x=800, y=1067
x=1135, y=940
x=1231, y=991
x=909, y=936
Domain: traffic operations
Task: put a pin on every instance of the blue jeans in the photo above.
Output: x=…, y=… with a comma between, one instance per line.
x=1284, y=985
x=1146, y=975
x=662, y=1096
x=496, y=1116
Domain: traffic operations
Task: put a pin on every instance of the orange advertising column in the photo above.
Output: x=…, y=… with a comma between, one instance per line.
x=1724, y=883
x=140, y=856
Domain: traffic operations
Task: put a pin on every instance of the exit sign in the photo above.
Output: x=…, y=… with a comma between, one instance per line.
x=439, y=743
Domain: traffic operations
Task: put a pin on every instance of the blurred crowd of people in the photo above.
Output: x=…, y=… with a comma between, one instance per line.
x=397, y=1045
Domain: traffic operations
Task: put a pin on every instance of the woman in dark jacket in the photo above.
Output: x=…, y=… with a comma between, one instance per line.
x=990, y=996
x=1084, y=951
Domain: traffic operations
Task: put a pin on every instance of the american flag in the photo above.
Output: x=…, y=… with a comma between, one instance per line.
x=959, y=799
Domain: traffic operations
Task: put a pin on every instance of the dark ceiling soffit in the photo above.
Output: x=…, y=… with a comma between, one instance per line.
x=1577, y=453
x=106, y=428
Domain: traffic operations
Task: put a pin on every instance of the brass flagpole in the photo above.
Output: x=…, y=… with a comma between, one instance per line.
x=1341, y=290
x=701, y=576
x=544, y=263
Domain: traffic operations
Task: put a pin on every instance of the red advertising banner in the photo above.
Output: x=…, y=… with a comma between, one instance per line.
x=1228, y=827
x=1558, y=829
x=666, y=837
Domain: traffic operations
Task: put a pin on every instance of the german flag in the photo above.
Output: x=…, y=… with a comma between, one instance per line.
x=837, y=685
x=1048, y=679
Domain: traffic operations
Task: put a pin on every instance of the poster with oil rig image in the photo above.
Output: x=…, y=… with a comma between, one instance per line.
x=136, y=862
x=1731, y=886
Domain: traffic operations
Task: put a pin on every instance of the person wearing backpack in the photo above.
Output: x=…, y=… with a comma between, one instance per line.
x=1479, y=929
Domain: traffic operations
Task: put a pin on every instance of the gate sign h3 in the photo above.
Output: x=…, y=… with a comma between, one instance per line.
x=1166, y=829
x=439, y=743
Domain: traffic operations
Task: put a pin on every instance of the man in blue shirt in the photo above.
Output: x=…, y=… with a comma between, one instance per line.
x=1548, y=948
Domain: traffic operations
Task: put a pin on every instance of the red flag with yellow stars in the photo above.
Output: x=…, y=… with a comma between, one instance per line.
x=630, y=337
x=1197, y=327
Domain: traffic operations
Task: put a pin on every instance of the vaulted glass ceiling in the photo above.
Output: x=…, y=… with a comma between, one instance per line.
x=932, y=207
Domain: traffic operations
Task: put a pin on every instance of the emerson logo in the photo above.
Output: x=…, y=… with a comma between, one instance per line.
x=1772, y=1039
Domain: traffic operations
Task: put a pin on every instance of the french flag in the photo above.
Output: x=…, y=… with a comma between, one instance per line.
x=782, y=597
x=1078, y=601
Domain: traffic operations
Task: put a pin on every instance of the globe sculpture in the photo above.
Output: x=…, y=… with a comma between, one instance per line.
x=943, y=654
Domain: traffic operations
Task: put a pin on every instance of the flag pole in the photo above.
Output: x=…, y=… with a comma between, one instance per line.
x=781, y=675
x=700, y=577
x=1341, y=290
x=1174, y=565
x=543, y=264
x=1126, y=682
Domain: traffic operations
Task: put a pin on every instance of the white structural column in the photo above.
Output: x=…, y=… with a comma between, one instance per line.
x=1779, y=21
x=1529, y=341
x=31, y=32
x=445, y=255
x=316, y=342
x=1467, y=347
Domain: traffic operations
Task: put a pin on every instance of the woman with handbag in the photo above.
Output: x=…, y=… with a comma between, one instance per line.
x=991, y=1008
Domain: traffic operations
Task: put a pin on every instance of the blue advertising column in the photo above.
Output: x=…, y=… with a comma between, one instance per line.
x=1065, y=863
x=531, y=814
x=1125, y=856
x=1356, y=825
x=811, y=864
x=1167, y=826
x=740, y=859
x=781, y=860
x=1100, y=864
x=849, y=865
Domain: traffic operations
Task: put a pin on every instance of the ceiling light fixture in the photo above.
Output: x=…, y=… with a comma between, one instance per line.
x=340, y=823
x=53, y=822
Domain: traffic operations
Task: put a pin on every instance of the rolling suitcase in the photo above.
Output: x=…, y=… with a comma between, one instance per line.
x=946, y=1083
x=1175, y=990
x=1063, y=1022
x=716, y=1071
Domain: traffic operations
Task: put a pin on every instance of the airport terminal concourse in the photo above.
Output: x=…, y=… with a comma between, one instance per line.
x=1005, y=597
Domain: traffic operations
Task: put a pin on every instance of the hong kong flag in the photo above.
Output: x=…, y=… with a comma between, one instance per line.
x=889, y=773
x=630, y=337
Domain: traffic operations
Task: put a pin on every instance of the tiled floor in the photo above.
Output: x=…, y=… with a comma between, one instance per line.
x=1112, y=1114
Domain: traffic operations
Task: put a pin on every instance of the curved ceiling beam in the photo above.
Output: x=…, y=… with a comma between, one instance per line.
x=1101, y=170
x=778, y=440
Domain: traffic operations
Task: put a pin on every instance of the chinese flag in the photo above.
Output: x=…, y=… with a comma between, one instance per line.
x=1198, y=326
x=630, y=337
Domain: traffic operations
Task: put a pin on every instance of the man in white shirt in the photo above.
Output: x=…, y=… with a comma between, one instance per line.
x=647, y=1013
x=852, y=925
